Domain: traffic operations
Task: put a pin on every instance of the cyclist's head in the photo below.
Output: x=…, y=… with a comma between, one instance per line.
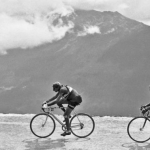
x=57, y=86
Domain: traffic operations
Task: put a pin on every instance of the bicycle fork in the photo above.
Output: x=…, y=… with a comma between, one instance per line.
x=143, y=125
x=45, y=121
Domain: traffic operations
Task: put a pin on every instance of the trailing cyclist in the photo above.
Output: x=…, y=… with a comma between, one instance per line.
x=145, y=108
x=64, y=95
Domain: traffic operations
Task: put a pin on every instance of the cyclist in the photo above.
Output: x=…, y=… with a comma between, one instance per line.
x=64, y=95
x=145, y=108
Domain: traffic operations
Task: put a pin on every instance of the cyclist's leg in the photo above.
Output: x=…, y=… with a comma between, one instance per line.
x=61, y=107
x=66, y=116
x=60, y=104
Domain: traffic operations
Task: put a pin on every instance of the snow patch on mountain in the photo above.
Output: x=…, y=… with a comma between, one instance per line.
x=89, y=30
x=110, y=31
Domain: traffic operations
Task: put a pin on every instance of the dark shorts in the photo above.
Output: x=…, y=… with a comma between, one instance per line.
x=74, y=102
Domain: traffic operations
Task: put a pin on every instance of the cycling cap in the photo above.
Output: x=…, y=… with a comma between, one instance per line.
x=56, y=85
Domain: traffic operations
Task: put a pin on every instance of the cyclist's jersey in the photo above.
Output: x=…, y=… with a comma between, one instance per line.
x=70, y=94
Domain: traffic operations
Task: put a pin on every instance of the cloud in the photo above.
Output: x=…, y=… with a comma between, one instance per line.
x=28, y=6
x=25, y=23
x=20, y=33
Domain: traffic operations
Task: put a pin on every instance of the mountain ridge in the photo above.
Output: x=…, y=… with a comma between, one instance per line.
x=104, y=68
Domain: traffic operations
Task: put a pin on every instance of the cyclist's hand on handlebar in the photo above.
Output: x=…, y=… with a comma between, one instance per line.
x=45, y=105
x=45, y=102
x=142, y=107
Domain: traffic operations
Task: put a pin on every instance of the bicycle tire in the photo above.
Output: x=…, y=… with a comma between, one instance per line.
x=135, y=130
x=82, y=125
x=42, y=125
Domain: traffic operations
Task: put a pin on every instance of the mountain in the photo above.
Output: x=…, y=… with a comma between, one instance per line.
x=104, y=56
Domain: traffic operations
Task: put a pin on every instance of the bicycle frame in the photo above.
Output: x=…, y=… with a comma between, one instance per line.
x=56, y=118
x=52, y=109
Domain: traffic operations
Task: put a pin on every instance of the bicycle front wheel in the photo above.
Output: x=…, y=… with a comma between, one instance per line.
x=139, y=129
x=82, y=125
x=42, y=125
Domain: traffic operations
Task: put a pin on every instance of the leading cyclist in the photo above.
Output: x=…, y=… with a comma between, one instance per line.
x=64, y=95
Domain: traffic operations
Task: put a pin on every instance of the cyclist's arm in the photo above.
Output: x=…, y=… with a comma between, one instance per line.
x=59, y=97
x=53, y=98
x=147, y=105
x=52, y=102
x=56, y=100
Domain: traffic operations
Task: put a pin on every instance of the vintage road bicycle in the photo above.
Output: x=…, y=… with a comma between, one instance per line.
x=43, y=124
x=138, y=128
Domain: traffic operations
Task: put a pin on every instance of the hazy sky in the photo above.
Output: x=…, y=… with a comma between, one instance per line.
x=135, y=9
x=27, y=23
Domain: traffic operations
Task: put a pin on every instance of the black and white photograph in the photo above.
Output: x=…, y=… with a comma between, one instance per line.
x=74, y=74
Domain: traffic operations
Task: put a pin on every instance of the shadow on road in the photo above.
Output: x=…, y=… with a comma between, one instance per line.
x=44, y=144
x=137, y=146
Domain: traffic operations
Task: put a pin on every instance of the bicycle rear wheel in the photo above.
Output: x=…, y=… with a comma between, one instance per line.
x=82, y=125
x=42, y=125
x=139, y=129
